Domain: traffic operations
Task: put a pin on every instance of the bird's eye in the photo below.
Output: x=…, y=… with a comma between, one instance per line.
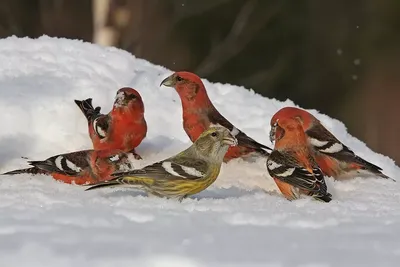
x=214, y=134
x=179, y=79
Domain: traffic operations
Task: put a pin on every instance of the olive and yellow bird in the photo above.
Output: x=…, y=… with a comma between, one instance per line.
x=184, y=174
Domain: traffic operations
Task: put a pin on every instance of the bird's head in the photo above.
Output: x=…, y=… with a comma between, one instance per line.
x=305, y=118
x=127, y=97
x=288, y=132
x=214, y=142
x=188, y=85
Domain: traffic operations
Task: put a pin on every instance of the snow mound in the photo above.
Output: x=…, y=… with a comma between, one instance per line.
x=234, y=223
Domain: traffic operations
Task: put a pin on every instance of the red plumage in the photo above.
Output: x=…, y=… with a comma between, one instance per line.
x=80, y=167
x=334, y=158
x=123, y=128
x=199, y=113
x=292, y=165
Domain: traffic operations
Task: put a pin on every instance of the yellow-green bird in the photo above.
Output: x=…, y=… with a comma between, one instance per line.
x=187, y=173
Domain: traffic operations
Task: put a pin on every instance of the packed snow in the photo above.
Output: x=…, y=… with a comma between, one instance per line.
x=241, y=220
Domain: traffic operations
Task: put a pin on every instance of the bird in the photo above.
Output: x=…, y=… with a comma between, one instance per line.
x=334, y=158
x=199, y=113
x=81, y=167
x=292, y=165
x=189, y=172
x=123, y=128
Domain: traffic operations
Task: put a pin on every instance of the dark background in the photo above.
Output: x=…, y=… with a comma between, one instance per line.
x=340, y=57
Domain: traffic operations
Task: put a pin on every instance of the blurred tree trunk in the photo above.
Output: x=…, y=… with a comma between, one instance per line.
x=103, y=33
x=373, y=111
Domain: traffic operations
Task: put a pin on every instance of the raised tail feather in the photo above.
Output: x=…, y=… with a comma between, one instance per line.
x=87, y=108
x=32, y=170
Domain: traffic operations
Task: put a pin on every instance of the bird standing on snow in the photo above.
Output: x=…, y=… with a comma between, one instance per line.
x=334, y=158
x=81, y=167
x=291, y=164
x=187, y=173
x=199, y=113
x=123, y=128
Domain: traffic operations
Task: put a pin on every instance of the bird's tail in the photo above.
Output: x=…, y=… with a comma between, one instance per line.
x=87, y=108
x=110, y=183
x=124, y=181
x=32, y=170
x=382, y=175
x=325, y=198
x=372, y=168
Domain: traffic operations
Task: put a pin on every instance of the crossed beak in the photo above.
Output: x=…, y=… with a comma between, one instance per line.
x=230, y=140
x=169, y=81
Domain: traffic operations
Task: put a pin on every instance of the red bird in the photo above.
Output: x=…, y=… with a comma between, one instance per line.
x=81, y=167
x=199, y=113
x=334, y=158
x=291, y=164
x=123, y=128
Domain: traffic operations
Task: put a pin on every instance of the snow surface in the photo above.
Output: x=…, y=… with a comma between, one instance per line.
x=239, y=221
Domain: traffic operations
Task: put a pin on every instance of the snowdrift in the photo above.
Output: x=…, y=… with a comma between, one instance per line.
x=239, y=221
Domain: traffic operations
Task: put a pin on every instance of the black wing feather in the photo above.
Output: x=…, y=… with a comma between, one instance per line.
x=243, y=140
x=319, y=132
x=291, y=172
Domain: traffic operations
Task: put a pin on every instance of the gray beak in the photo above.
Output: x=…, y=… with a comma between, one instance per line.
x=169, y=81
x=230, y=140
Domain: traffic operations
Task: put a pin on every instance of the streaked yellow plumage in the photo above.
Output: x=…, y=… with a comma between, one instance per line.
x=187, y=173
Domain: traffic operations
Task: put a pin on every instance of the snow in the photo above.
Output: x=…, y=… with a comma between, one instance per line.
x=241, y=220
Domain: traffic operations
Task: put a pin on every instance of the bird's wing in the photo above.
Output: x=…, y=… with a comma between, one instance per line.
x=71, y=164
x=101, y=125
x=287, y=168
x=178, y=168
x=175, y=168
x=326, y=143
x=243, y=140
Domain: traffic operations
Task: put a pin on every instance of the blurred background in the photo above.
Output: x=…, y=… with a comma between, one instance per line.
x=337, y=56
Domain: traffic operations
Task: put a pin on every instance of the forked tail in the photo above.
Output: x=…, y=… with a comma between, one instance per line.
x=87, y=108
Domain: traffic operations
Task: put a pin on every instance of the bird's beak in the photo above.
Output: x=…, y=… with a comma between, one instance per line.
x=169, y=81
x=230, y=140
